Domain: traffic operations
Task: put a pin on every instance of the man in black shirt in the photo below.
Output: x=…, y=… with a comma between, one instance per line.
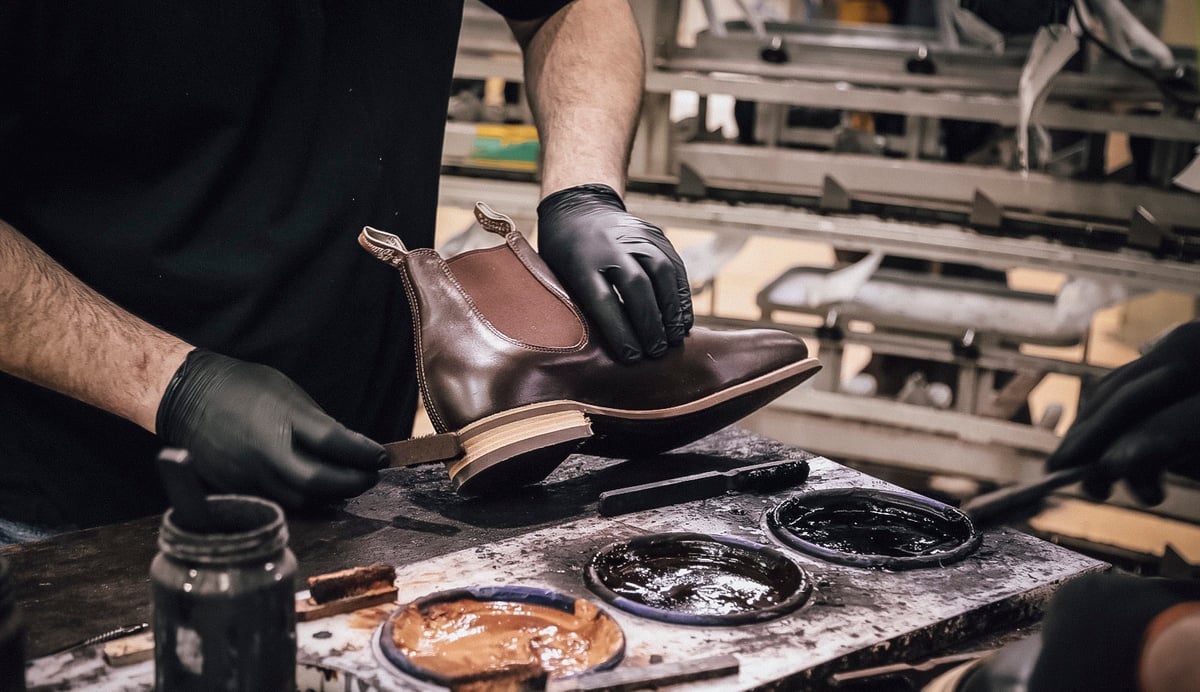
x=181, y=185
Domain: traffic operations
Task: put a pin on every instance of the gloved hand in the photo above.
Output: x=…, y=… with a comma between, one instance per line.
x=1092, y=638
x=1095, y=627
x=250, y=429
x=1143, y=419
x=622, y=271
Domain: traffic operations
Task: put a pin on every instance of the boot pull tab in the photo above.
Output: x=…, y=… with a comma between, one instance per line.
x=384, y=246
x=494, y=221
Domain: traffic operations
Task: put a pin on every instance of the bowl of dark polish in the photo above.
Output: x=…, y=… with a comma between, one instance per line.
x=698, y=579
x=880, y=529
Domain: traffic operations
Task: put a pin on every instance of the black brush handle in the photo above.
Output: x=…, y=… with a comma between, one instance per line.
x=189, y=501
x=662, y=493
x=991, y=507
x=757, y=478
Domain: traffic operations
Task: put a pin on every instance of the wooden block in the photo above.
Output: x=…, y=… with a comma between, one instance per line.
x=333, y=586
x=129, y=650
x=1127, y=529
x=308, y=610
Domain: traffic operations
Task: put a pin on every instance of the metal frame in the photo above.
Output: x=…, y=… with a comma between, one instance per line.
x=745, y=191
x=926, y=184
x=940, y=242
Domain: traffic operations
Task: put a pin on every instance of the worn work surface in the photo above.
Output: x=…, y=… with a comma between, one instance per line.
x=544, y=537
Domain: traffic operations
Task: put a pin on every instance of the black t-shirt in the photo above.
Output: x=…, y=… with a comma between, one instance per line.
x=207, y=165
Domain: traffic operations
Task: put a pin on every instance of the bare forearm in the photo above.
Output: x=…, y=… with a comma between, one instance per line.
x=584, y=75
x=59, y=333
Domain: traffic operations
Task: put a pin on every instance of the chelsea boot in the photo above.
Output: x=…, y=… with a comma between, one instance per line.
x=508, y=365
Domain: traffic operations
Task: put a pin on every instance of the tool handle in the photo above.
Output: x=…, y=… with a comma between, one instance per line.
x=662, y=493
x=761, y=478
x=185, y=491
x=988, y=507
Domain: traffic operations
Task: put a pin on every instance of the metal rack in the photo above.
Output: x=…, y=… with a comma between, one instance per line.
x=897, y=197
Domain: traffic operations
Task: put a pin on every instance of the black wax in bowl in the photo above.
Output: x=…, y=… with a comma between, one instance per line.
x=864, y=527
x=698, y=579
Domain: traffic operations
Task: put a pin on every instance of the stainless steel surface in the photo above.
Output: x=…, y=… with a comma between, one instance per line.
x=856, y=617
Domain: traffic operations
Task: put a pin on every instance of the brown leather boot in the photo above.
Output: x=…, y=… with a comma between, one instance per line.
x=507, y=363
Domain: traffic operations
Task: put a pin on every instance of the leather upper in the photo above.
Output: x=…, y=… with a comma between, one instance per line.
x=495, y=330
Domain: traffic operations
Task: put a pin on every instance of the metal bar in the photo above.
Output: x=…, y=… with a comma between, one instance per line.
x=944, y=242
x=1003, y=110
x=803, y=172
x=990, y=357
x=862, y=61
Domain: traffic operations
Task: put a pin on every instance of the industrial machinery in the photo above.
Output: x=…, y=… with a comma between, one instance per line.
x=934, y=159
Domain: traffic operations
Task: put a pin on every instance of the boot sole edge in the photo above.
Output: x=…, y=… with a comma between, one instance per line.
x=531, y=441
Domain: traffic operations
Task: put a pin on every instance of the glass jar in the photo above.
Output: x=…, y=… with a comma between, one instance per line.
x=224, y=600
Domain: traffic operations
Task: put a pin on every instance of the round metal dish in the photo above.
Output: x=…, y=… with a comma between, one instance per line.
x=511, y=600
x=881, y=529
x=698, y=579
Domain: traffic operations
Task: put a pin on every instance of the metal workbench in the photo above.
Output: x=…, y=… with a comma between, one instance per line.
x=80, y=584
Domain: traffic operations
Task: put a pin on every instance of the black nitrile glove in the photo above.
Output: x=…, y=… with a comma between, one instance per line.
x=622, y=271
x=1142, y=420
x=1094, y=627
x=250, y=429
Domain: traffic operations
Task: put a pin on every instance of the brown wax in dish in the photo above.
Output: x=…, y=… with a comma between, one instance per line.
x=467, y=636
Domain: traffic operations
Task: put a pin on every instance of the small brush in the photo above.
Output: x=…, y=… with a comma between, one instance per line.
x=757, y=478
x=991, y=508
x=189, y=501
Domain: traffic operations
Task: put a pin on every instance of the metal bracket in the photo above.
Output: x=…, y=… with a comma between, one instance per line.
x=985, y=211
x=691, y=184
x=834, y=197
x=966, y=346
x=1147, y=233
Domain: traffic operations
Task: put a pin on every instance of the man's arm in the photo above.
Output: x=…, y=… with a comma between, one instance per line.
x=59, y=333
x=584, y=76
x=249, y=427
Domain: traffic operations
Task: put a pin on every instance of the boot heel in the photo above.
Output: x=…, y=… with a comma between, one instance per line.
x=517, y=447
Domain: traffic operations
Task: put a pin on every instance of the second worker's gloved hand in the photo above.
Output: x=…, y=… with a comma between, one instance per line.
x=1142, y=420
x=250, y=429
x=1095, y=629
x=623, y=271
